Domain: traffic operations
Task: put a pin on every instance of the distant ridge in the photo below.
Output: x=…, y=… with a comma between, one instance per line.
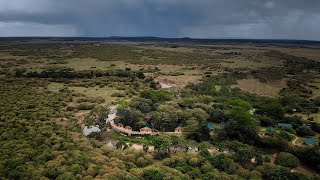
x=168, y=40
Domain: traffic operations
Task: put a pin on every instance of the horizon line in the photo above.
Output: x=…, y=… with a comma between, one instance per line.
x=157, y=37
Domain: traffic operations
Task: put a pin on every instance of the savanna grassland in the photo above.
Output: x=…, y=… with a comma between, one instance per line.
x=50, y=90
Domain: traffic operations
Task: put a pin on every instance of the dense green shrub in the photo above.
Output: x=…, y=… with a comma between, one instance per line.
x=273, y=110
x=287, y=160
x=266, y=121
x=156, y=96
x=305, y=131
x=85, y=106
x=220, y=161
x=151, y=174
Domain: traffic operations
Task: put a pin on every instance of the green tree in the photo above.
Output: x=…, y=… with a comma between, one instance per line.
x=200, y=115
x=201, y=133
x=76, y=168
x=277, y=172
x=243, y=152
x=161, y=143
x=140, y=75
x=273, y=110
x=305, y=131
x=143, y=105
x=220, y=161
x=239, y=104
x=157, y=96
x=152, y=174
x=267, y=121
x=133, y=118
x=311, y=156
x=97, y=116
x=206, y=167
x=204, y=153
x=243, y=119
x=235, y=131
x=121, y=145
x=244, y=155
x=259, y=160
x=175, y=142
x=287, y=160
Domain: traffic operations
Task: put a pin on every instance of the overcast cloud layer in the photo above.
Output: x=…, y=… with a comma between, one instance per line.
x=272, y=19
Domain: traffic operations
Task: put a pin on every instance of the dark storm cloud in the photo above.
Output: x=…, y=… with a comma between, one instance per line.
x=285, y=19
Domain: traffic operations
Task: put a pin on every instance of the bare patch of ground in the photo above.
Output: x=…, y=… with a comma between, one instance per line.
x=264, y=89
x=177, y=81
x=305, y=170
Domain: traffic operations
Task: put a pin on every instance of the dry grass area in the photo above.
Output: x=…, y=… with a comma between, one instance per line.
x=90, y=63
x=316, y=92
x=242, y=63
x=163, y=67
x=264, y=89
x=55, y=87
x=94, y=64
x=316, y=116
x=6, y=56
x=104, y=92
x=178, y=49
x=312, y=53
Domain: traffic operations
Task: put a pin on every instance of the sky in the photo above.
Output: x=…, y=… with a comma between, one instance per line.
x=252, y=19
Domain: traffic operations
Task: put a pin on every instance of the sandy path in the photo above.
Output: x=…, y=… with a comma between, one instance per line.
x=80, y=117
x=166, y=85
x=294, y=142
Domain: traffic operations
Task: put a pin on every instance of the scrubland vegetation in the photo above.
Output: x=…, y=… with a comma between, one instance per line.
x=49, y=92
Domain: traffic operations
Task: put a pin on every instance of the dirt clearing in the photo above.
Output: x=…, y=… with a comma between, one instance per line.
x=264, y=89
